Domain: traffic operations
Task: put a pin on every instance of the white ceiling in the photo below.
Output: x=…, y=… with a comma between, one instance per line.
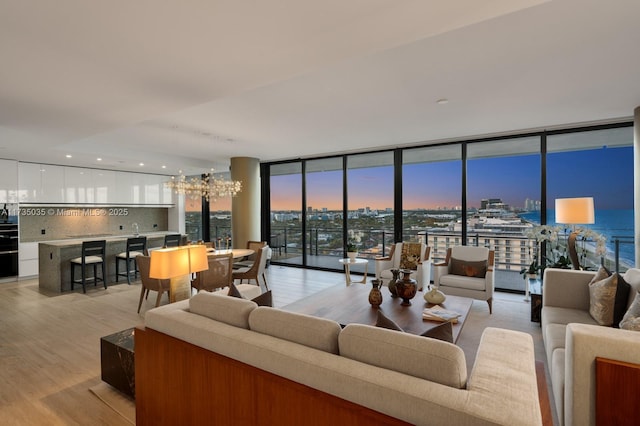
x=190, y=84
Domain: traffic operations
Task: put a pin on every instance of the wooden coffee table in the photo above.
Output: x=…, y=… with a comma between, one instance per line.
x=348, y=305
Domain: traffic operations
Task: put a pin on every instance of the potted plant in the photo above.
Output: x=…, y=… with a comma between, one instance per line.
x=352, y=250
x=532, y=270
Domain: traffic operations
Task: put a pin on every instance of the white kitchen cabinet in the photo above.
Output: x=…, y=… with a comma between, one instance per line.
x=8, y=181
x=124, y=190
x=51, y=184
x=40, y=183
x=105, y=186
x=43, y=183
x=78, y=185
x=27, y=259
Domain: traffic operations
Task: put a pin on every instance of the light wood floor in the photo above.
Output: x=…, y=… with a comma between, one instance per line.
x=50, y=344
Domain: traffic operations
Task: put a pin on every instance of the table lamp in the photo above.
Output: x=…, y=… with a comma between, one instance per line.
x=177, y=264
x=574, y=211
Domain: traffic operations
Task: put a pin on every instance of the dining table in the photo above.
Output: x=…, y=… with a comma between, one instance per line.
x=237, y=253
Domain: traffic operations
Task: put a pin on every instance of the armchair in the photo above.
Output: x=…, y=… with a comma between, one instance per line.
x=468, y=272
x=414, y=256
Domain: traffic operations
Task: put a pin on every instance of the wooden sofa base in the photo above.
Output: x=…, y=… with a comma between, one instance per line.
x=180, y=383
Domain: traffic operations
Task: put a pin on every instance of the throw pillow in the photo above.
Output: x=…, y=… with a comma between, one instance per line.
x=265, y=299
x=442, y=331
x=468, y=268
x=631, y=319
x=608, y=299
x=410, y=256
x=234, y=292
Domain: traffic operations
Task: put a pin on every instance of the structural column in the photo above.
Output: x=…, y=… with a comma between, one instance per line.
x=636, y=182
x=245, y=206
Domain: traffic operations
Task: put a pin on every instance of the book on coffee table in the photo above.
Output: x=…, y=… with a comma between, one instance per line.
x=438, y=313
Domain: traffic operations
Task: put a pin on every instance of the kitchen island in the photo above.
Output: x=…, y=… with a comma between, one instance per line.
x=54, y=266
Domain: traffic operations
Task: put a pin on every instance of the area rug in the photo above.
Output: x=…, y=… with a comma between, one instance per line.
x=120, y=403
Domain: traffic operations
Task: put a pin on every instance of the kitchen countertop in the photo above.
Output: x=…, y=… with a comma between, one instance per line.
x=77, y=241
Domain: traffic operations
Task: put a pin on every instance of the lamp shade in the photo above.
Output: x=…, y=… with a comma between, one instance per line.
x=575, y=210
x=176, y=261
x=198, y=260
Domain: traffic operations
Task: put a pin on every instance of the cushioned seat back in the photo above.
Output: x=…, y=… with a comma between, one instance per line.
x=470, y=253
x=417, y=356
x=220, y=307
x=318, y=333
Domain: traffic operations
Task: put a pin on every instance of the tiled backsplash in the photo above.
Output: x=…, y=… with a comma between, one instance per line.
x=70, y=222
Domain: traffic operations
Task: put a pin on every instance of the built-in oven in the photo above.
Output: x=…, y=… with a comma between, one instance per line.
x=8, y=250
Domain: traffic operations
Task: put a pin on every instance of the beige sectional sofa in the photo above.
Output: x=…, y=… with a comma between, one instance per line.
x=573, y=340
x=243, y=364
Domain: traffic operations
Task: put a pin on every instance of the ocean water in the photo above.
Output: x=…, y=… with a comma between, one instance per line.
x=613, y=224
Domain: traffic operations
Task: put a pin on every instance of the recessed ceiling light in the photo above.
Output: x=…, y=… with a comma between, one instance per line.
x=442, y=101
x=68, y=155
x=141, y=164
x=98, y=159
x=164, y=167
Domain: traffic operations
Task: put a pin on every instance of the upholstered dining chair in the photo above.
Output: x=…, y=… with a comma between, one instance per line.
x=248, y=262
x=256, y=271
x=219, y=274
x=144, y=265
x=406, y=255
x=467, y=271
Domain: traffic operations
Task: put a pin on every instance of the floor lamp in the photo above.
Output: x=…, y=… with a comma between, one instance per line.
x=177, y=264
x=574, y=211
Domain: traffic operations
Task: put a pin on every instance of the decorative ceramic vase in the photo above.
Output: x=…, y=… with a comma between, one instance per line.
x=434, y=295
x=375, y=295
x=392, y=282
x=406, y=287
x=352, y=255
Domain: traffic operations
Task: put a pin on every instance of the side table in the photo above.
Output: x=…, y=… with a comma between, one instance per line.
x=117, y=362
x=347, y=268
x=535, y=290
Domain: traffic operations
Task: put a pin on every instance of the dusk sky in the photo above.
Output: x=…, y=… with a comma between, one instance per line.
x=606, y=174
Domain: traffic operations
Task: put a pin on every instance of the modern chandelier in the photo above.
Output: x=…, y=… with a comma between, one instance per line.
x=208, y=186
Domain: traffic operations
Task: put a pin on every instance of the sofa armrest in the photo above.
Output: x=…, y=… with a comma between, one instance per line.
x=504, y=372
x=583, y=344
x=438, y=270
x=383, y=263
x=566, y=288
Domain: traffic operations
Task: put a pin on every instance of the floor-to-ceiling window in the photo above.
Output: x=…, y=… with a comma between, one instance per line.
x=503, y=190
x=286, y=239
x=596, y=164
x=324, y=215
x=431, y=197
x=370, y=205
x=486, y=192
x=193, y=215
x=220, y=215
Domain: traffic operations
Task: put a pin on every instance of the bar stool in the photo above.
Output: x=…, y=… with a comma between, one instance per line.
x=172, y=240
x=93, y=254
x=136, y=246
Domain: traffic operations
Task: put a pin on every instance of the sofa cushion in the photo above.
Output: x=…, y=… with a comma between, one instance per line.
x=468, y=268
x=442, y=331
x=557, y=367
x=462, y=281
x=218, y=306
x=429, y=359
x=631, y=319
x=554, y=338
x=555, y=315
x=632, y=277
x=608, y=299
x=314, y=332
